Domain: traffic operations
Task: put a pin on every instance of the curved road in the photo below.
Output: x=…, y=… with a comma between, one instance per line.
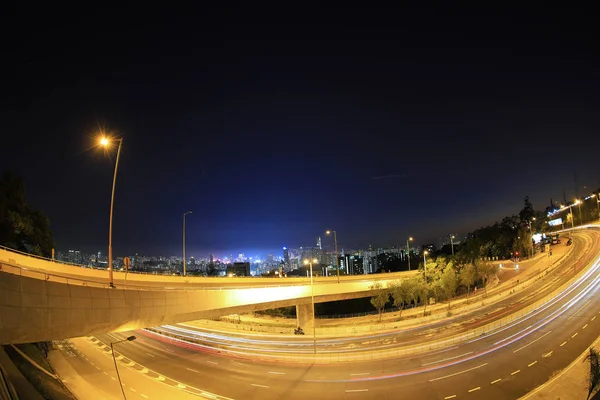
x=503, y=364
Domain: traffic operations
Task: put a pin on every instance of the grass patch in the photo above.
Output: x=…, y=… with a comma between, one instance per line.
x=48, y=387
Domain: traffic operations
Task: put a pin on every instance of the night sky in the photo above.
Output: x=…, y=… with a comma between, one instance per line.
x=274, y=125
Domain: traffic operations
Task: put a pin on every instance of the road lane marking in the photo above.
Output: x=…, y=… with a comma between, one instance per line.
x=277, y=373
x=541, y=337
x=209, y=395
x=475, y=389
x=360, y=373
x=588, y=302
x=239, y=363
x=547, y=354
x=181, y=385
x=149, y=354
x=262, y=386
x=446, y=359
x=145, y=370
x=457, y=373
x=576, y=333
x=449, y=397
x=104, y=373
x=113, y=378
x=132, y=389
x=97, y=367
x=515, y=372
x=95, y=364
x=563, y=343
x=496, y=381
x=211, y=362
x=594, y=318
x=143, y=395
x=585, y=326
x=193, y=370
x=356, y=390
x=533, y=363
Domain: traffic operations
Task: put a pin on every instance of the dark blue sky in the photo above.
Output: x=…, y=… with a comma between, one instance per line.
x=274, y=125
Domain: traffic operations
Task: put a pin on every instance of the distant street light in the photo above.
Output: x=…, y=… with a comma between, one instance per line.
x=531, y=234
x=425, y=252
x=129, y=339
x=312, y=300
x=578, y=202
x=337, y=261
x=106, y=142
x=452, y=244
x=184, y=214
x=408, y=250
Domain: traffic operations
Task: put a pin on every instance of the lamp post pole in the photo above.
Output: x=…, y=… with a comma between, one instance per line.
x=337, y=261
x=452, y=244
x=129, y=339
x=184, y=269
x=408, y=251
x=312, y=300
x=425, y=264
x=105, y=142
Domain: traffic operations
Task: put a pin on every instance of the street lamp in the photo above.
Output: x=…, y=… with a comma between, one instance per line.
x=578, y=202
x=531, y=234
x=408, y=250
x=129, y=339
x=312, y=300
x=452, y=244
x=425, y=252
x=184, y=214
x=337, y=261
x=106, y=142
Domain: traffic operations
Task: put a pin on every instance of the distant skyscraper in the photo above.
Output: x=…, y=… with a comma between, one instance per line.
x=319, y=243
x=286, y=257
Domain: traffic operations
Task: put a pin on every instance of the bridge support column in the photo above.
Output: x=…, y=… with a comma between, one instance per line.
x=305, y=317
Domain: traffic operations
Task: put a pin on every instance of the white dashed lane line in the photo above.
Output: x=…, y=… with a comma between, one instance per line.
x=449, y=397
x=276, y=373
x=458, y=373
x=585, y=326
x=260, y=386
x=475, y=389
x=193, y=370
x=148, y=354
x=143, y=395
x=212, y=362
x=532, y=364
x=356, y=390
x=515, y=372
x=576, y=333
x=496, y=381
x=563, y=343
x=532, y=342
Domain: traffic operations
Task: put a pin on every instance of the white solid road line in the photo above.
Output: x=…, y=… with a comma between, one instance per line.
x=541, y=337
x=262, y=386
x=277, y=373
x=446, y=359
x=360, y=373
x=457, y=373
x=356, y=390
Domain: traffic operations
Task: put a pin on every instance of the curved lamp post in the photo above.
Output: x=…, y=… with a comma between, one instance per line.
x=106, y=142
x=408, y=250
x=337, y=261
x=184, y=214
x=129, y=339
x=312, y=300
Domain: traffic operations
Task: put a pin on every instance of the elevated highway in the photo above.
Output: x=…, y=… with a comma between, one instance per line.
x=45, y=300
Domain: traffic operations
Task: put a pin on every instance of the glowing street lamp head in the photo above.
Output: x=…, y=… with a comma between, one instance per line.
x=425, y=252
x=328, y=232
x=305, y=262
x=104, y=142
x=410, y=238
x=315, y=261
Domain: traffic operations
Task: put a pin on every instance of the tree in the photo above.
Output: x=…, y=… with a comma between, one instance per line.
x=401, y=294
x=380, y=299
x=485, y=270
x=467, y=276
x=527, y=213
x=22, y=227
x=593, y=376
x=422, y=290
x=449, y=283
